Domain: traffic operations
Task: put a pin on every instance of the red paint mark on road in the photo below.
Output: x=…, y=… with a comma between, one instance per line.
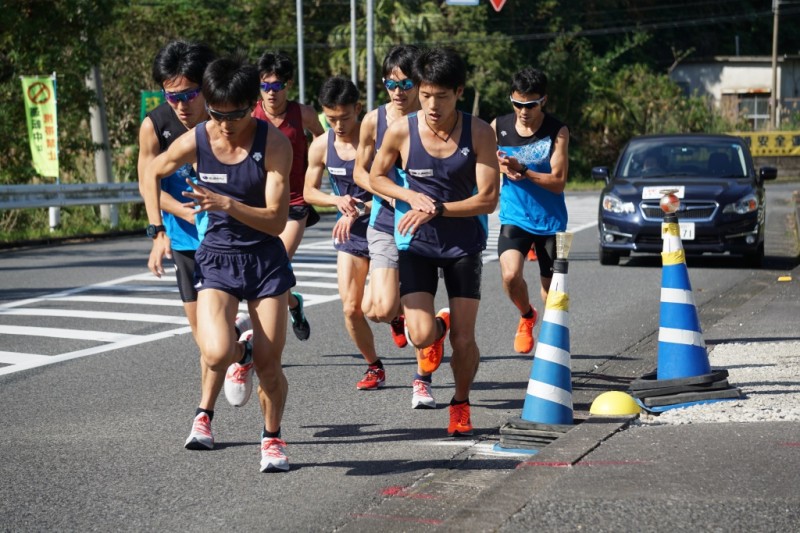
x=400, y=492
x=430, y=521
x=555, y=464
x=790, y=444
x=610, y=463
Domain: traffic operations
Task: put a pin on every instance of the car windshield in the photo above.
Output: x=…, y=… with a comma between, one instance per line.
x=651, y=158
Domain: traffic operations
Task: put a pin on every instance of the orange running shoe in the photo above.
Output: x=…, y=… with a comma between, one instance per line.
x=532, y=254
x=460, y=423
x=398, y=325
x=431, y=357
x=523, y=340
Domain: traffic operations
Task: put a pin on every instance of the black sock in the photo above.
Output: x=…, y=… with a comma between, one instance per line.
x=210, y=413
x=269, y=434
x=245, y=352
x=426, y=379
x=377, y=364
x=454, y=402
x=529, y=314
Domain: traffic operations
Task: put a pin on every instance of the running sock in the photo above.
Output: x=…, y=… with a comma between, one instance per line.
x=454, y=402
x=270, y=434
x=529, y=314
x=426, y=379
x=247, y=351
x=377, y=365
x=210, y=413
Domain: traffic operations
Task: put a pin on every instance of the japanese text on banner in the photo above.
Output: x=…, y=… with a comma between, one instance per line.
x=39, y=94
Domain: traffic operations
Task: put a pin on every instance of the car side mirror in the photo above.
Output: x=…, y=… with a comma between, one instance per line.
x=767, y=173
x=600, y=173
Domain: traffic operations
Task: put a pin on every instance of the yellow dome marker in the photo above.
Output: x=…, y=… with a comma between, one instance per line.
x=614, y=403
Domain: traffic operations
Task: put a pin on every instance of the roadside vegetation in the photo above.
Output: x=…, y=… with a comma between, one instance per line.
x=608, y=62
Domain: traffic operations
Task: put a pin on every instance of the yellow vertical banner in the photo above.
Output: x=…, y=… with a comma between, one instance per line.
x=39, y=94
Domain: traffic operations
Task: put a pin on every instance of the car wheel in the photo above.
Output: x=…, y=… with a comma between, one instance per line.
x=755, y=259
x=608, y=258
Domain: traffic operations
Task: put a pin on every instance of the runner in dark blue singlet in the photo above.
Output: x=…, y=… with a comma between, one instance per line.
x=452, y=178
x=382, y=301
x=336, y=152
x=243, y=167
x=178, y=69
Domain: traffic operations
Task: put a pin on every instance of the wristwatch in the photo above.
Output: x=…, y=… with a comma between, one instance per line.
x=439, y=207
x=523, y=169
x=153, y=230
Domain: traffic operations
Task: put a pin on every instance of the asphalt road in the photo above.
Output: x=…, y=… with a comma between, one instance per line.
x=94, y=441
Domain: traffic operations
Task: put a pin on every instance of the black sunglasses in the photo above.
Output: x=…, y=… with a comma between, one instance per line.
x=230, y=116
x=527, y=105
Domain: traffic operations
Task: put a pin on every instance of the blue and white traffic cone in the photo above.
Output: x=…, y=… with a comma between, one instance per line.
x=549, y=396
x=681, y=349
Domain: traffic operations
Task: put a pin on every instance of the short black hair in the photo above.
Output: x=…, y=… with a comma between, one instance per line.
x=442, y=67
x=529, y=81
x=182, y=58
x=337, y=91
x=401, y=56
x=276, y=63
x=231, y=80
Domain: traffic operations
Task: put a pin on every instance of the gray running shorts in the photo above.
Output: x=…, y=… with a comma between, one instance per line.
x=382, y=249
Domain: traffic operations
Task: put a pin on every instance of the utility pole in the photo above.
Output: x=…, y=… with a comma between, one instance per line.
x=353, y=56
x=370, y=81
x=773, y=99
x=301, y=64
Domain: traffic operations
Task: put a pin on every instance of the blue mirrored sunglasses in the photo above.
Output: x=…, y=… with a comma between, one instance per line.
x=183, y=96
x=273, y=86
x=403, y=85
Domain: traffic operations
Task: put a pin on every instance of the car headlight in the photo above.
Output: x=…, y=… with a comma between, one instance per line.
x=615, y=205
x=742, y=206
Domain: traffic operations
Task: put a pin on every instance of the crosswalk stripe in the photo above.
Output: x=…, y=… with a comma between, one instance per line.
x=61, y=333
x=96, y=315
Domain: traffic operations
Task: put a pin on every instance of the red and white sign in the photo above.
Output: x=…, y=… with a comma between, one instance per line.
x=497, y=4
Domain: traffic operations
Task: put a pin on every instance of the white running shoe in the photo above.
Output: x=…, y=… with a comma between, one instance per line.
x=239, y=377
x=242, y=323
x=422, y=398
x=273, y=455
x=200, y=438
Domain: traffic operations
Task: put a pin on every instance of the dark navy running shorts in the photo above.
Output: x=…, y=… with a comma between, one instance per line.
x=252, y=273
x=357, y=244
x=462, y=275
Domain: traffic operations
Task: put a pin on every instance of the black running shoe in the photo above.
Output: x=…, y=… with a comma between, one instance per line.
x=300, y=326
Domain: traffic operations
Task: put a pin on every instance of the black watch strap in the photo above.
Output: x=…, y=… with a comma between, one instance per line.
x=439, y=207
x=523, y=169
x=153, y=230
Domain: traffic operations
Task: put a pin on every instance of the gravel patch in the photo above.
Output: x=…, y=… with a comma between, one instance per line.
x=767, y=373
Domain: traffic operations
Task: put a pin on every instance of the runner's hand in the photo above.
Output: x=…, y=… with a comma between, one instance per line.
x=161, y=248
x=412, y=220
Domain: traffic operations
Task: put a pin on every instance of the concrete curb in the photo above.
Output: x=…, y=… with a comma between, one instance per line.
x=505, y=498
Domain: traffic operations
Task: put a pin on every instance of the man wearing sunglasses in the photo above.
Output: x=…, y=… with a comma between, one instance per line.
x=178, y=70
x=532, y=152
x=243, y=167
x=451, y=182
x=382, y=301
x=293, y=120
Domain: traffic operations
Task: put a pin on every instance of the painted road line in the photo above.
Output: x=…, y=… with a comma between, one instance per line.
x=98, y=315
x=122, y=300
x=61, y=333
x=15, y=358
x=132, y=340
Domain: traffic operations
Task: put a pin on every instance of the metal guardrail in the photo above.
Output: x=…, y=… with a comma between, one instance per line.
x=64, y=195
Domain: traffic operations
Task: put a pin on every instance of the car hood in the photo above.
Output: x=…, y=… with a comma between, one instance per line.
x=720, y=189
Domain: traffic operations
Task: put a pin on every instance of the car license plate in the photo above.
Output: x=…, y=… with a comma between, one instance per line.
x=687, y=231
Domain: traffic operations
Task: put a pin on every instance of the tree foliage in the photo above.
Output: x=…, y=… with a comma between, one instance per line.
x=607, y=60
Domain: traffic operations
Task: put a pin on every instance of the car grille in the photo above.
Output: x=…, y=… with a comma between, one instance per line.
x=698, y=241
x=700, y=211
